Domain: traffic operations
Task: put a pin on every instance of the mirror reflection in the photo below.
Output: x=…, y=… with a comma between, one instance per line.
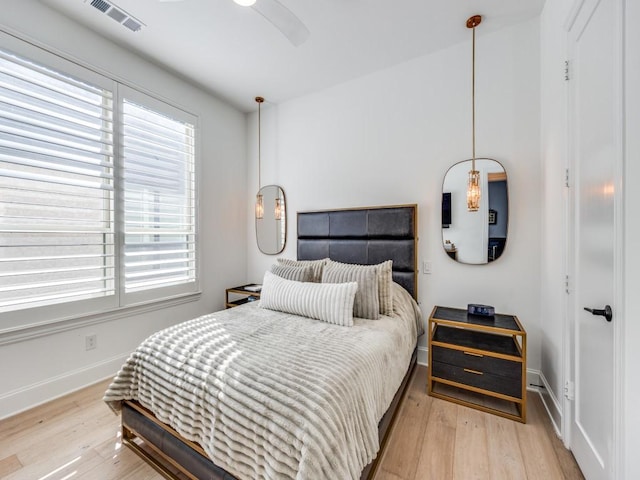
x=475, y=237
x=271, y=224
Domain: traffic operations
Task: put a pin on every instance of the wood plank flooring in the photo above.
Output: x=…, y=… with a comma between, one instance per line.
x=77, y=437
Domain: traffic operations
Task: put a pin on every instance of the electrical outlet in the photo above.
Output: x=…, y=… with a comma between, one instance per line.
x=90, y=342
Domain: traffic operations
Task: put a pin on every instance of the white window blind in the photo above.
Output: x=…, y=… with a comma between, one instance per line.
x=159, y=199
x=95, y=214
x=56, y=187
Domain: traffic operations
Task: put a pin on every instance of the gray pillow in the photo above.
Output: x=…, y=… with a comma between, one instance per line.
x=317, y=266
x=385, y=280
x=329, y=302
x=290, y=272
x=366, y=304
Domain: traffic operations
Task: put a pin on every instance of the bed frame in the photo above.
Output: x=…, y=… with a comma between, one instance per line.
x=359, y=235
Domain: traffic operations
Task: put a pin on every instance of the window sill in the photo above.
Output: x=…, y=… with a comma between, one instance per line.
x=28, y=332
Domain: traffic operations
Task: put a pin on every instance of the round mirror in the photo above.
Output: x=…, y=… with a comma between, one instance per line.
x=475, y=237
x=271, y=223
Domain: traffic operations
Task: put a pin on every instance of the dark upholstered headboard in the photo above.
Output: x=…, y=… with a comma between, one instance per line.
x=366, y=236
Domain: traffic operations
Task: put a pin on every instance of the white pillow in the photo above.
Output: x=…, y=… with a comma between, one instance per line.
x=329, y=302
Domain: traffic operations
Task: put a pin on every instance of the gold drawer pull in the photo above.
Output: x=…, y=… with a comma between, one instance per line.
x=468, y=370
x=474, y=354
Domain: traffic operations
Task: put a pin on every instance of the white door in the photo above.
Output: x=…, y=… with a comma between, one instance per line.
x=595, y=126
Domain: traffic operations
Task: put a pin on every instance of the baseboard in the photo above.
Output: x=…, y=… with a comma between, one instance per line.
x=533, y=379
x=551, y=405
x=423, y=356
x=30, y=396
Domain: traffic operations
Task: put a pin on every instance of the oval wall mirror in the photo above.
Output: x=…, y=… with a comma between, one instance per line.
x=271, y=229
x=475, y=237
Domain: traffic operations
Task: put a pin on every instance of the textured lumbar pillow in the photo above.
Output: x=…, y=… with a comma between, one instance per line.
x=317, y=266
x=329, y=302
x=291, y=272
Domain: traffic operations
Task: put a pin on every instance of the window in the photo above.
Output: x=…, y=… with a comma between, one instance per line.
x=159, y=199
x=91, y=208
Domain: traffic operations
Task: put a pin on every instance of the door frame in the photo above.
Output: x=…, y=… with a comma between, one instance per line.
x=617, y=458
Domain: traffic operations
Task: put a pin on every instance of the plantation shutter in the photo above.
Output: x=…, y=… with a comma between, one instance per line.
x=159, y=198
x=56, y=187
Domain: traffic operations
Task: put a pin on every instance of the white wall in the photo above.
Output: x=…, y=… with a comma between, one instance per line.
x=36, y=370
x=553, y=139
x=389, y=138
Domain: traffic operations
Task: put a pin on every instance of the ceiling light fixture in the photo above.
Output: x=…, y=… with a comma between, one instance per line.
x=473, y=187
x=245, y=3
x=259, y=199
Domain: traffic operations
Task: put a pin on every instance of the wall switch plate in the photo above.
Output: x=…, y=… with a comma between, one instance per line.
x=426, y=268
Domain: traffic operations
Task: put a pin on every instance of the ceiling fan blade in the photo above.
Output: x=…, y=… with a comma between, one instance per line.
x=283, y=19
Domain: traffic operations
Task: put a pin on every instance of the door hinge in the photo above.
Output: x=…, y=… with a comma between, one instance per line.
x=566, y=70
x=566, y=177
x=566, y=284
x=569, y=390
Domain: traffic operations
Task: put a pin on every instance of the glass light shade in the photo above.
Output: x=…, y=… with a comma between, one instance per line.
x=245, y=3
x=259, y=206
x=473, y=191
x=278, y=209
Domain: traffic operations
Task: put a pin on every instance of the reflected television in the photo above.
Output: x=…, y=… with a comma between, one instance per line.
x=446, y=209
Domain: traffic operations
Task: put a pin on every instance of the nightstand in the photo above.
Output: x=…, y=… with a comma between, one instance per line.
x=478, y=361
x=240, y=295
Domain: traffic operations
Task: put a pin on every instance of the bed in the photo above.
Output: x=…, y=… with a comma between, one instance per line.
x=256, y=392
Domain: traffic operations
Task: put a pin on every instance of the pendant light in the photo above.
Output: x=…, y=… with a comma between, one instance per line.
x=473, y=186
x=259, y=199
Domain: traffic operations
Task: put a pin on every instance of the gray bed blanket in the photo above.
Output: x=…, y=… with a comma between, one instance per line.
x=273, y=395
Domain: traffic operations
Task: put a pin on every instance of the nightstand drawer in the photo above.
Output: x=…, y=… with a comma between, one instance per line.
x=474, y=361
x=477, y=378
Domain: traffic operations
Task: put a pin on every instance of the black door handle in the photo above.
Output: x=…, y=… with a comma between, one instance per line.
x=606, y=312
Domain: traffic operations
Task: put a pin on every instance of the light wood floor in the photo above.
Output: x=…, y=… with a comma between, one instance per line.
x=77, y=437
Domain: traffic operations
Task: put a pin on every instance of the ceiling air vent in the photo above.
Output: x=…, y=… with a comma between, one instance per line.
x=101, y=5
x=132, y=24
x=118, y=14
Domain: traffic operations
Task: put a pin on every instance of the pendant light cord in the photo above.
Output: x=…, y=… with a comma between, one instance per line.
x=259, y=100
x=473, y=99
x=472, y=23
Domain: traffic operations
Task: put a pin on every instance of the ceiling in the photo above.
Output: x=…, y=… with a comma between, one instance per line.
x=236, y=53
